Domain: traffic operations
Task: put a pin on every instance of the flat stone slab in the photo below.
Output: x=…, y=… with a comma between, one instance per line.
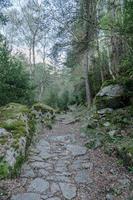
x=55, y=188
x=42, y=172
x=83, y=177
x=43, y=146
x=68, y=190
x=59, y=178
x=62, y=138
x=27, y=172
x=76, y=150
x=41, y=165
x=54, y=198
x=26, y=196
x=38, y=185
x=43, y=143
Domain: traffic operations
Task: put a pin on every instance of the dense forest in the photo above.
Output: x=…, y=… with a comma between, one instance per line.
x=63, y=51
x=66, y=57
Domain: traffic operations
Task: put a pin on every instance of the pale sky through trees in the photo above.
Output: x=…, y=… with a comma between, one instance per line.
x=16, y=4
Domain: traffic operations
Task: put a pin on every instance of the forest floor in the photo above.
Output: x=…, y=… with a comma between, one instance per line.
x=60, y=167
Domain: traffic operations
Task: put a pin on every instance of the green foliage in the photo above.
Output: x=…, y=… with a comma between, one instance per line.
x=127, y=31
x=63, y=100
x=16, y=170
x=117, y=137
x=106, y=21
x=126, y=68
x=128, y=17
x=15, y=85
x=52, y=98
x=43, y=108
x=58, y=100
x=79, y=93
x=4, y=170
x=3, y=4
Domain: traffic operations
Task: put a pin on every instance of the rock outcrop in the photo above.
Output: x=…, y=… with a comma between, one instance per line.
x=18, y=124
x=16, y=130
x=112, y=96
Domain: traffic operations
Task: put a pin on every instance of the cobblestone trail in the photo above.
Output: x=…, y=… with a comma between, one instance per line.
x=59, y=167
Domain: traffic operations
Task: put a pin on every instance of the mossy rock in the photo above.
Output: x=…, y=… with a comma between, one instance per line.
x=17, y=120
x=4, y=170
x=13, y=110
x=112, y=96
x=19, y=123
x=16, y=126
x=106, y=102
x=44, y=113
x=43, y=108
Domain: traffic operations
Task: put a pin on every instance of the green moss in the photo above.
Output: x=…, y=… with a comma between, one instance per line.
x=12, y=119
x=4, y=170
x=3, y=140
x=12, y=124
x=15, y=144
x=43, y=108
x=109, y=82
x=12, y=111
x=16, y=170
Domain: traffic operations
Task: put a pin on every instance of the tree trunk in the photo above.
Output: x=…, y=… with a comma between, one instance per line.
x=90, y=15
x=42, y=86
x=86, y=77
x=116, y=40
x=33, y=56
x=110, y=64
x=30, y=63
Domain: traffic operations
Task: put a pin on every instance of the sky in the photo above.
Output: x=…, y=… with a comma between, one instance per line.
x=22, y=49
x=15, y=2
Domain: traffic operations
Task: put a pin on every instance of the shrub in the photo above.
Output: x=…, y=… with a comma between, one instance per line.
x=15, y=84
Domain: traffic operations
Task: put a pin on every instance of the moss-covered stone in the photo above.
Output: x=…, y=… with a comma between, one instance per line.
x=44, y=113
x=112, y=96
x=110, y=102
x=4, y=170
x=43, y=108
x=15, y=120
x=17, y=127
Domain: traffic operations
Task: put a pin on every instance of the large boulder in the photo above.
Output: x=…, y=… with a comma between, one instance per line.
x=112, y=96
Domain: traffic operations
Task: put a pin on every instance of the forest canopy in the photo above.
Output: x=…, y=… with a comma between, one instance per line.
x=62, y=52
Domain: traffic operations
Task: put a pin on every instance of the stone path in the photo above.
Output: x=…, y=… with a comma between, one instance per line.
x=57, y=168
x=60, y=167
